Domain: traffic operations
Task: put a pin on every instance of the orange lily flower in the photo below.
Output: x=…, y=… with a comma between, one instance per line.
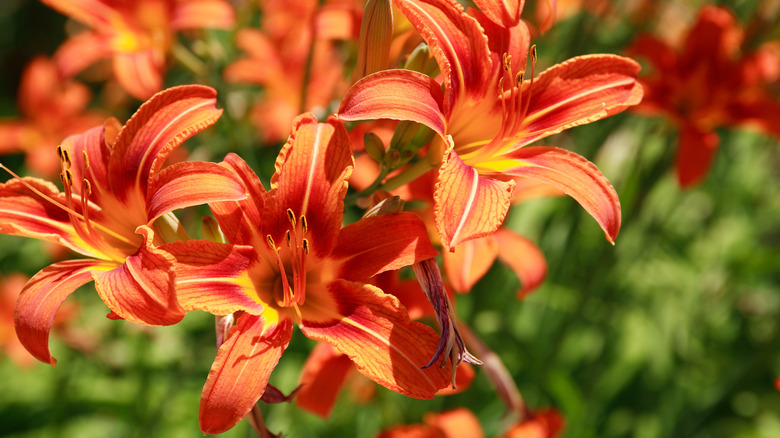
x=542, y=423
x=136, y=35
x=115, y=189
x=292, y=262
x=52, y=109
x=707, y=84
x=294, y=57
x=457, y=423
x=489, y=112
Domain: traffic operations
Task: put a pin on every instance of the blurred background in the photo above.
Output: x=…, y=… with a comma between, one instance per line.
x=672, y=332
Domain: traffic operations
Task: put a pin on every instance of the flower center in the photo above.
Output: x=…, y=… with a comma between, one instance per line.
x=291, y=261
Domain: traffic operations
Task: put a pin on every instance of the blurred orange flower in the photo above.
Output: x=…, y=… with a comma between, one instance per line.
x=135, y=34
x=52, y=108
x=708, y=83
x=457, y=423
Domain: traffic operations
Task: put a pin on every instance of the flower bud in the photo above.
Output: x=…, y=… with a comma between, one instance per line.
x=209, y=229
x=374, y=146
x=376, y=34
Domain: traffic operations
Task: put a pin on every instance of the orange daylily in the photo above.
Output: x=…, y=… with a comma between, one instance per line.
x=706, y=84
x=542, y=423
x=457, y=423
x=135, y=34
x=289, y=261
x=115, y=189
x=488, y=112
x=51, y=109
x=294, y=57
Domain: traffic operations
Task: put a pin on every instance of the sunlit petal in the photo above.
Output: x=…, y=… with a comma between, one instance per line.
x=524, y=257
x=469, y=262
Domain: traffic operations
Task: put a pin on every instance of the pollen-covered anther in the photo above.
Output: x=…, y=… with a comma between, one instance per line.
x=291, y=216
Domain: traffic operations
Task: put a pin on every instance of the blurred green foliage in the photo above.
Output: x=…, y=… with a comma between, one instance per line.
x=673, y=332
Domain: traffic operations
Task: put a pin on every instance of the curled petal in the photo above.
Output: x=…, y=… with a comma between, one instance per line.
x=192, y=183
x=382, y=243
x=576, y=176
x=322, y=377
x=142, y=289
x=469, y=262
x=159, y=126
x=241, y=369
x=375, y=332
x=468, y=205
x=579, y=91
x=397, y=95
x=524, y=257
x=41, y=298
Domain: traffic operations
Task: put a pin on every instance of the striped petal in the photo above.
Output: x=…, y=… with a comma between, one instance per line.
x=41, y=298
x=469, y=262
x=374, y=330
x=581, y=90
x=397, y=95
x=322, y=378
x=241, y=369
x=142, y=289
x=310, y=181
x=240, y=220
x=468, y=205
x=576, y=176
x=381, y=243
x=505, y=12
x=158, y=127
x=192, y=183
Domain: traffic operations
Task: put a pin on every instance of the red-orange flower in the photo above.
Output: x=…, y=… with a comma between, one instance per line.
x=706, y=84
x=291, y=262
x=490, y=110
x=457, y=423
x=295, y=58
x=136, y=35
x=115, y=189
x=51, y=109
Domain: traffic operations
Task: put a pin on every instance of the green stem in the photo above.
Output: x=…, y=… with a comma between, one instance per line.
x=188, y=59
x=416, y=170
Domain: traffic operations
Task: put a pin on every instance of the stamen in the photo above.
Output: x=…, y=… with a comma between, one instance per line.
x=291, y=216
x=304, y=224
x=287, y=293
x=66, y=157
x=306, y=246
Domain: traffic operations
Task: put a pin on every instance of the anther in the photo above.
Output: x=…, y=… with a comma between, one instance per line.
x=87, y=187
x=500, y=86
x=533, y=53
x=59, y=153
x=69, y=175
x=270, y=241
x=291, y=216
x=520, y=78
x=289, y=239
x=507, y=62
x=306, y=246
x=66, y=157
x=86, y=159
x=304, y=224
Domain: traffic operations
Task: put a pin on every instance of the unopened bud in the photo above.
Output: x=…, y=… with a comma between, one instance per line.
x=374, y=146
x=392, y=158
x=405, y=131
x=422, y=60
x=209, y=228
x=392, y=204
x=376, y=34
x=169, y=229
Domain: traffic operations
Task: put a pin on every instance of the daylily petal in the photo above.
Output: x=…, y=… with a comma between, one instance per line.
x=238, y=220
x=504, y=12
x=192, y=183
x=79, y=52
x=212, y=276
x=524, y=257
x=544, y=423
x=142, y=289
x=695, y=154
x=397, y=95
x=467, y=204
x=322, y=378
x=241, y=369
x=457, y=423
x=513, y=39
x=581, y=90
x=469, y=262
x=381, y=243
x=139, y=73
x=310, y=181
x=157, y=128
x=375, y=332
x=26, y=213
x=93, y=13
x=203, y=14
x=458, y=44
x=573, y=174
x=92, y=144
x=41, y=298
